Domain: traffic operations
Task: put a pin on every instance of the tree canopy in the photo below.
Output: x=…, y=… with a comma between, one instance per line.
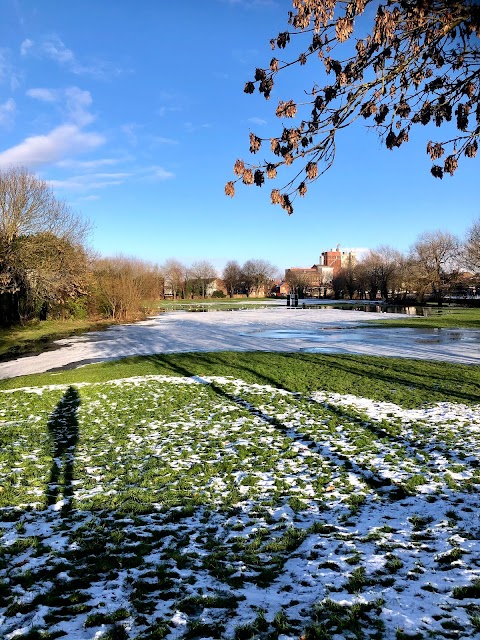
x=418, y=63
x=42, y=257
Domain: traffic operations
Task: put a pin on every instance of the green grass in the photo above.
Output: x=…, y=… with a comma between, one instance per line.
x=445, y=317
x=35, y=337
x=188, y=497
x=409, y=383
x=210, y=304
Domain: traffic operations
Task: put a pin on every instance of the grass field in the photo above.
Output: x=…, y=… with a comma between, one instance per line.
x=271, y=496
x=35, y=337
x=446, y=317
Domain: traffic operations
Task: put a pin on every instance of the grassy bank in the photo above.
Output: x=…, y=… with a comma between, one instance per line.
x=407, y=382
x=445, y=317
x=35, y=337
x=212, y=304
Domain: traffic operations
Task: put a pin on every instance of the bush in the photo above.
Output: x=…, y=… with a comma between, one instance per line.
x=218, y=294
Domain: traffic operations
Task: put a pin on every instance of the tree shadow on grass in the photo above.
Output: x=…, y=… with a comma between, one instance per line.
x=63, y=429
x=214, y=363
x=461, y=382
x=407, y=382
x=375, y=481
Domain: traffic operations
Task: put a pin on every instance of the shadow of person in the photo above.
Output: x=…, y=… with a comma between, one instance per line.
x=63, y=429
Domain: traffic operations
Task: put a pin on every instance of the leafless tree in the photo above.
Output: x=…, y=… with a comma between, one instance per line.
x=122, y=285
x=28, y=206
x=56, y=271
x=381, y=269
x=41, y=243
x=175, y=275
x=298, y=282
x=232, y=277
x=202, y=273
x=258, y=275
x=346, y=281
x=436, y=258
x=472, y=247
x=418, y=62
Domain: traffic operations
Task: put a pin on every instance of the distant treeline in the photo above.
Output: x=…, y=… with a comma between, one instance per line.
x=48, y=271
x=437, y=266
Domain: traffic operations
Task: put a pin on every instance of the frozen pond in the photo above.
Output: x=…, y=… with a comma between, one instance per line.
x=469, y=337
x=271, y=329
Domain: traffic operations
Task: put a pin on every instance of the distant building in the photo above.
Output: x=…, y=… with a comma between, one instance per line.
x=312, y=281
x=339, y=259
x=281, y=289
x=316, y=281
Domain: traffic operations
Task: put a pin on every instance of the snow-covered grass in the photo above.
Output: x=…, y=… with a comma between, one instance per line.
x=211, y=507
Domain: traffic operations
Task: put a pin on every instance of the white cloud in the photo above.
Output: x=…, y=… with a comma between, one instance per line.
x=109, y=176
x=162, y=140
x=63, y=141
x=156, y=173
x=7, y=71
x=7, y=112
x=258, y=121
x=44, y=95
x=89, y=164
x=130, y=131
x=25, y=47
x=90, y=181
x=95, y=181
x=191, y=128
x=159, y=173
x=76, y=102
x=163, y=110
x=55, y=49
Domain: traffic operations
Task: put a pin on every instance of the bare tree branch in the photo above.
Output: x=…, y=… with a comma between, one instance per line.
x=419, y=64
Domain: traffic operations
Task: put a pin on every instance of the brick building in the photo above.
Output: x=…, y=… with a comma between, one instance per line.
x=312, y=281
x=316, y=281
x=338, y=259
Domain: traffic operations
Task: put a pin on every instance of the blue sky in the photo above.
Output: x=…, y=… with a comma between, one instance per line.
x=135, y=113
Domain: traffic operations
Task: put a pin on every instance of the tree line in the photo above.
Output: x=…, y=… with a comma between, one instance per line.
x=438, y=265
x=48, y=271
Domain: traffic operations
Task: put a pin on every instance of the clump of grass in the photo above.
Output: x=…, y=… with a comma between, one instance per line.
x=97, y=619
x=450, y=556
x=199, y=629
x=393, y=563
x=420, y=522
x=355, y=501
x=357, y=580
x=417, y=480
x=471, y=590
x=331, y=618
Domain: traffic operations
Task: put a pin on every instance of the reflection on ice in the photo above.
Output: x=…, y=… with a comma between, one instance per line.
x=367, y=334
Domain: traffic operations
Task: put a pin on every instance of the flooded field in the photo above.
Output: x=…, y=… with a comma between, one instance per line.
x=277, y=328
